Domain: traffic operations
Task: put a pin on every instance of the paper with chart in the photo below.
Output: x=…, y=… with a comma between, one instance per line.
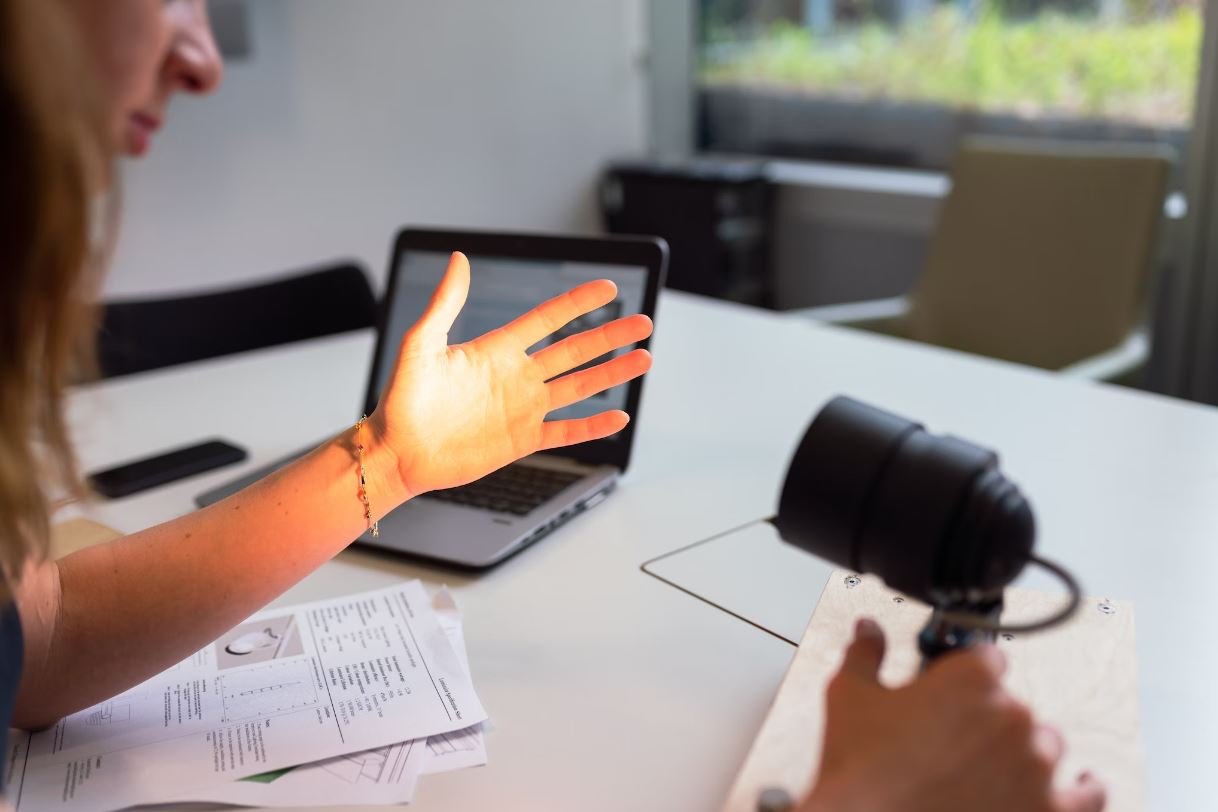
x=289, y=686
x=382, y=776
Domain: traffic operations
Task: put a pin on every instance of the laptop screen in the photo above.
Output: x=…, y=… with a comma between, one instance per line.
x=502, y=289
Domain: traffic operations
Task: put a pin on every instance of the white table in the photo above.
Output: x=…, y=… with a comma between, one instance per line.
x=609, y=690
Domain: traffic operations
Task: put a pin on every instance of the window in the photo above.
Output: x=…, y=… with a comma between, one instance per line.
x=897, y=82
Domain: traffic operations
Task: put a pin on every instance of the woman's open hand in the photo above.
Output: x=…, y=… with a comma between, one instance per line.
x=452, y=414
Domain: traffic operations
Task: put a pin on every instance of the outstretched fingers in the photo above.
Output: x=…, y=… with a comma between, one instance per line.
x=588, y=382
x=578, y=350
x=558, y=433
x=560, y=311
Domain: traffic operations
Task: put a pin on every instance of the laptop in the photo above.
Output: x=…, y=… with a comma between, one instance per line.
x=481, y=524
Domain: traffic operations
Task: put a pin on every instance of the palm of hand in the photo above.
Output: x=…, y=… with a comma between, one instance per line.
x=460, y=421
x=453, y=414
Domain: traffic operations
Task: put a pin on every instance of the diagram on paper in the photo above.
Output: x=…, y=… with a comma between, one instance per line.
x=269, y=689
x=446, y=744
x=380, y=766
x=109, y=713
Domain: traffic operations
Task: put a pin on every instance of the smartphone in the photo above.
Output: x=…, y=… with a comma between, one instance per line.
x=140, y=475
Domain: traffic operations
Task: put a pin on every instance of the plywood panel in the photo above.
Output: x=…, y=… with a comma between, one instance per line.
x=1081, y=677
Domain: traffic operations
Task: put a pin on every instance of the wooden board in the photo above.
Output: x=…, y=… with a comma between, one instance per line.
x=1081, y=677
x=77, y=534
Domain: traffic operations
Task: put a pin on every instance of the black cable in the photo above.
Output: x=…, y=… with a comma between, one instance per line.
x=970, y=621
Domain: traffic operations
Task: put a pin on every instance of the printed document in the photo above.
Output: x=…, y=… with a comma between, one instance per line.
x=288, y=687
x=382, y=776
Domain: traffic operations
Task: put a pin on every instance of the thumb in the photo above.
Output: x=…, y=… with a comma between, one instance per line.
x=866, y=652
x=447, y=301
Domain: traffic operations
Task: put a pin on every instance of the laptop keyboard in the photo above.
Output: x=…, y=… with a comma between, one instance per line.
x=516, y=489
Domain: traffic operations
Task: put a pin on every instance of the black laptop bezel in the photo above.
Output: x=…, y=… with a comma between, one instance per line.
x=645, y=252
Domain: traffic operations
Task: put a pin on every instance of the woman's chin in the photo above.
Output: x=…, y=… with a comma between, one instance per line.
x=137, y=137
x=136, y=143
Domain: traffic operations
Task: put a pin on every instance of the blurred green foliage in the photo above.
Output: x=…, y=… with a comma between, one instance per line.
x=1048, y=64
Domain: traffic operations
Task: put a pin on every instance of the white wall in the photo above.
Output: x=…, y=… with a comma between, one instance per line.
x=355, y=117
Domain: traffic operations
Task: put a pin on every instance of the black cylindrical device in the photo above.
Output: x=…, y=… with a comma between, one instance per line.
x=931, y=515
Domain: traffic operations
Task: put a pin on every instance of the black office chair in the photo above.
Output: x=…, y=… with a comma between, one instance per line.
x=149, y=334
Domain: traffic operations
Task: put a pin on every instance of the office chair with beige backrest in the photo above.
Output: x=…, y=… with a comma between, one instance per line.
x=1041, y=257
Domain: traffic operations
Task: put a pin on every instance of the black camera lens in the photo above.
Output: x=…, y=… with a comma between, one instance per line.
x=931, y=515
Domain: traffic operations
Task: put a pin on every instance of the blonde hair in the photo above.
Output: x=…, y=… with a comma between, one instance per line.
x=55, y=158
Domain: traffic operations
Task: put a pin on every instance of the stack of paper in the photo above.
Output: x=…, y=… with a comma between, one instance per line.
x=348, y=701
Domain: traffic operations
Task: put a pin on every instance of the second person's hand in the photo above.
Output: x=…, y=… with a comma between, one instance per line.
x=953, y=739
x=453, y=413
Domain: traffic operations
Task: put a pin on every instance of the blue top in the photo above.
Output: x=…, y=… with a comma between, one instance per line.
x=12, y=648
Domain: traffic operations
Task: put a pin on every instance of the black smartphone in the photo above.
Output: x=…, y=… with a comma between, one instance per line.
x=140, y=475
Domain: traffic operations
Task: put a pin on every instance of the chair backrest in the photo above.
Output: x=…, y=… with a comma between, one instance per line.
x=149, y=334
x=1042, y=252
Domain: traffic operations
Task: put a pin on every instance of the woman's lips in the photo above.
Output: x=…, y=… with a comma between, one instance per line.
x=140, y=128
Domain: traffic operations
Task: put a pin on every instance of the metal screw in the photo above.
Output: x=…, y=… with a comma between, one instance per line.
x=852, y=581
x=1106, y=608
x=1007, y=636
x=897, y=599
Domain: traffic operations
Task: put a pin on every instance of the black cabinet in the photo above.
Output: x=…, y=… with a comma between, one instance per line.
x=714, y=213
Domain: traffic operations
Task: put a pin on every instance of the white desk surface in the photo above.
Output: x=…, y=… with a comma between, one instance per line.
x=609, y=690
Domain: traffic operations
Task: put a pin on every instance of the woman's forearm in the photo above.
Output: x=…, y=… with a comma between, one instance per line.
x=104, y=619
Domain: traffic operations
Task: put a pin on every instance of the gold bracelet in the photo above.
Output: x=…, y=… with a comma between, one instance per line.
x=363, y=480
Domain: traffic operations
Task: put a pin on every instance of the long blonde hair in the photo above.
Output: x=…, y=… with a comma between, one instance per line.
x=54, y=156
